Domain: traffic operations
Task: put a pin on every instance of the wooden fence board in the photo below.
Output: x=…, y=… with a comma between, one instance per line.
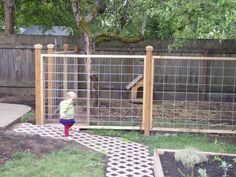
x=17, y=70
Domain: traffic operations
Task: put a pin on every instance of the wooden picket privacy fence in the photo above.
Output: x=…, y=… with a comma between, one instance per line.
x=139, y=92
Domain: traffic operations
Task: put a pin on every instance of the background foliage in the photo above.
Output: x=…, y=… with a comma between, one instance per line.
x=175, y=19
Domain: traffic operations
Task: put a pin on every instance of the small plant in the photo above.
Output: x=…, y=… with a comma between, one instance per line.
x=30, y=116
x=189, y=157
x=225, y=167
x=217, y=159
x=234, y=160
x=202, y=172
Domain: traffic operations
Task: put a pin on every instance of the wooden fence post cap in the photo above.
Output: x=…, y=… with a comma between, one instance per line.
x=38, y=46
x=50, y=46
x=149, y=48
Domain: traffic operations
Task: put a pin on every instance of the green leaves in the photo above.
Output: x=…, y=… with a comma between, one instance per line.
x=188, y=19
x=179, y=20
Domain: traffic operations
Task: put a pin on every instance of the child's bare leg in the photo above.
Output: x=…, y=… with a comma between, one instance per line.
x=70, y=125
x=66, y=130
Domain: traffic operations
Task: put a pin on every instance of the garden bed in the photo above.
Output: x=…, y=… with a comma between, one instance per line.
x=216, y=165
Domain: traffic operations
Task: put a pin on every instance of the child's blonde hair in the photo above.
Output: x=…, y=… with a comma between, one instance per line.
x=71, y=95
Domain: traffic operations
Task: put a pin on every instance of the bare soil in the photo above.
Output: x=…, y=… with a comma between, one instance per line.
x=168, y=113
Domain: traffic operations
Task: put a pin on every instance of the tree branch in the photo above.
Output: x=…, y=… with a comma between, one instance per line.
x=76, y=11
x=144, y=24
x=108, y=36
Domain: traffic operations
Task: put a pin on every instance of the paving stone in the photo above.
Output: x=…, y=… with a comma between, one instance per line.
x=125, y=158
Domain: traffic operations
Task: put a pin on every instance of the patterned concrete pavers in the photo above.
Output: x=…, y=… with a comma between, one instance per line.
x=125, y=158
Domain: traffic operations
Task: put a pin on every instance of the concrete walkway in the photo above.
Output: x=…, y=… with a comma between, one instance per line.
x=10, y=113
x=125, y=158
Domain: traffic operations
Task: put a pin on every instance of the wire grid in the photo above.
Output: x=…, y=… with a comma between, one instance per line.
x=109, y=101
x=194, y=94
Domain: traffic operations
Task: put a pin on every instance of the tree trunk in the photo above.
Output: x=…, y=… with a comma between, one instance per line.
x=92, y=96
x=88, y=51
x=88, y=48
x=9, y=12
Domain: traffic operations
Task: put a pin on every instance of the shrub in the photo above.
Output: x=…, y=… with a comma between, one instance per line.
x=189, y=157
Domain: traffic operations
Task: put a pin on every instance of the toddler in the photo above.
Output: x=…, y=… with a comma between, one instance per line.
x=67, y=112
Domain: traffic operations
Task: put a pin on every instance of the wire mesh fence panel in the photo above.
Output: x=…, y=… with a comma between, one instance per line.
x=103, y=96
x=195, y=94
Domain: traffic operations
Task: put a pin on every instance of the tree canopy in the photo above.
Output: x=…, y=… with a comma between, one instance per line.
x=190, y=19
x=134, y=19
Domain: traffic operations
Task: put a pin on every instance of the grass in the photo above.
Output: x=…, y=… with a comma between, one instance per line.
x=172, y=141
x=70, y=162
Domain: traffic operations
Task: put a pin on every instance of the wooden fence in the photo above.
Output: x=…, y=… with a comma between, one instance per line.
x=17, y=71
x=17, y=57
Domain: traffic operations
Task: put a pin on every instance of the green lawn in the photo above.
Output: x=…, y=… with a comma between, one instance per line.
x=70, y=162
x=172, y=141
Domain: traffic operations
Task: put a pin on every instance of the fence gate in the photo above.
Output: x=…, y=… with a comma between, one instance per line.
x=101, y=83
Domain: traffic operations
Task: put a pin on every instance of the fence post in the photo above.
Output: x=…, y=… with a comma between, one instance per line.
x=38, y=85
x=50, y=80
x=148, y=91
x=65, y=48
x=76, y=50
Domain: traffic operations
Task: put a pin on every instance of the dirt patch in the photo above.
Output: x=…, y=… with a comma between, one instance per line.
x=178, y=114
x=172, y=168
x=12, y=142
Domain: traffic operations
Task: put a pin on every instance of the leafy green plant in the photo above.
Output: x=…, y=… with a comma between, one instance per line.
x=217, y=159
x=202, y=172
x=30, y=116
x=189, y=157
x=225, y=166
